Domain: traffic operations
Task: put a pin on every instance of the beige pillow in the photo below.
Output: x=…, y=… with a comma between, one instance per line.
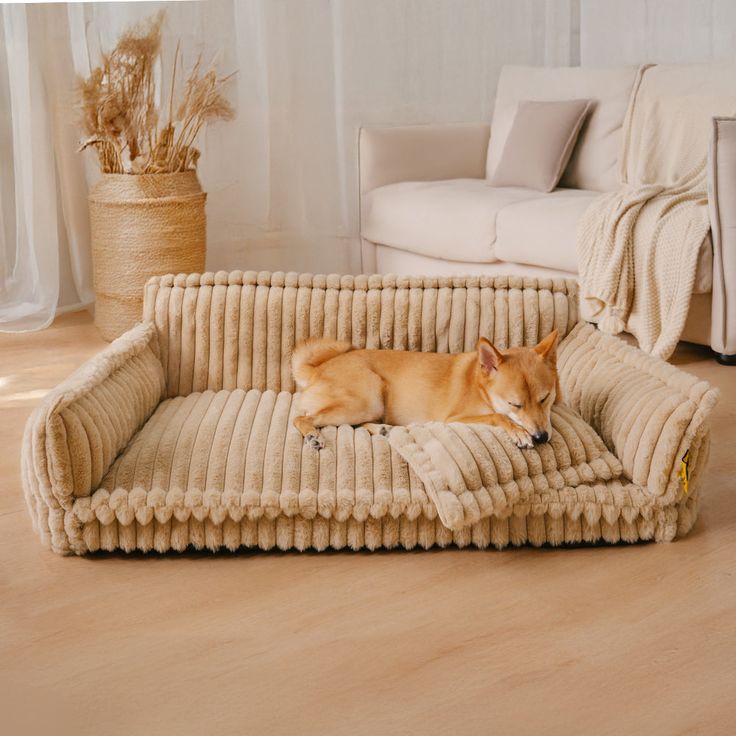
x=539, y=144
x=594, y=163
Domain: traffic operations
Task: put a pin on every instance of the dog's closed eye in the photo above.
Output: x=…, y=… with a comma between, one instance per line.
x=516, y=406
x=541, y=401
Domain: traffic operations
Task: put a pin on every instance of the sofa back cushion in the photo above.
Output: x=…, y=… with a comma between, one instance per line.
x=671, y=120
x=706, y=80
x=594, y=163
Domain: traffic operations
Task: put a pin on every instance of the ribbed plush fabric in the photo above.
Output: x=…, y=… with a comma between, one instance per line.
x=237, y=330
x=239, y=450
x=647, y=411
x=236, y=455
x=71, y=440
x=468, y=470
x=179, y=434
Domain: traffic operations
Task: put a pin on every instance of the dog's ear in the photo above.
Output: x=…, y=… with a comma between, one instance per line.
x=489, y=356
x=548, y=347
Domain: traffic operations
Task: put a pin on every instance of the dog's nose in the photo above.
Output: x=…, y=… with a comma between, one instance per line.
x=540, y=438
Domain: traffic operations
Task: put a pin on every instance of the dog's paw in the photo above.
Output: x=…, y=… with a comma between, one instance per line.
x=314, y=441
x=520, y=437
x=379, y=429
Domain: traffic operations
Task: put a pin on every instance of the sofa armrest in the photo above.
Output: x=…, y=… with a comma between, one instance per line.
x=649, y=413
x=421, y=153
x=73, y=437
x=722, y=204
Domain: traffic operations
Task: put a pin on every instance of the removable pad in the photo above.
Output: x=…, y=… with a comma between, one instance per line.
x=472, y=471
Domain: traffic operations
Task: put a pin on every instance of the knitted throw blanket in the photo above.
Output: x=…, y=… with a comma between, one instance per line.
x=638, y=246
x=638, y=251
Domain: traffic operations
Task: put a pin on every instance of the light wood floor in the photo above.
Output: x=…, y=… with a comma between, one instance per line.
x=613, y=640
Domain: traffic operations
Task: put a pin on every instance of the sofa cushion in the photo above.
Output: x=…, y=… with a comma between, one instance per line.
x=392, y=260
x=454, y=218
x=539, y=144
x=594, y=161
x=543, y=232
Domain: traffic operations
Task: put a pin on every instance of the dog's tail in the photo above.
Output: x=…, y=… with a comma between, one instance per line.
x=312, y=353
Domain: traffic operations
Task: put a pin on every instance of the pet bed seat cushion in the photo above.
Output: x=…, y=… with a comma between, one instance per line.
x=236, y=454
x=179, y=433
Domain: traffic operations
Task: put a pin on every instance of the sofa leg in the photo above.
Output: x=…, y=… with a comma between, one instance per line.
x=725, y=359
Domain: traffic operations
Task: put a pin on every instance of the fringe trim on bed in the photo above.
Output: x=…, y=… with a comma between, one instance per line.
x=539, y=523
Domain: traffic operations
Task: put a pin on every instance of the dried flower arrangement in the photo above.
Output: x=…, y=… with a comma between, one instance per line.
x=120, y=117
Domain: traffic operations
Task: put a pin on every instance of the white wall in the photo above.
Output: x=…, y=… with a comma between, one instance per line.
x=661, y=31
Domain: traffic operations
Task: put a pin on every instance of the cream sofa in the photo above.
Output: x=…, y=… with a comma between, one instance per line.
x=426, y=206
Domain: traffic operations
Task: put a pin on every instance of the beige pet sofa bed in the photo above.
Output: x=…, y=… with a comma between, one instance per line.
x=179, y=433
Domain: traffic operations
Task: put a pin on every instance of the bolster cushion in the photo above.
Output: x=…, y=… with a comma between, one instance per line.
x=649, y=413
x=237, y=330
x=74, y=436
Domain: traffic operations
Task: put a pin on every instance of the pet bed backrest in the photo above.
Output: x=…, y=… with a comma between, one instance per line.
x=237, y=330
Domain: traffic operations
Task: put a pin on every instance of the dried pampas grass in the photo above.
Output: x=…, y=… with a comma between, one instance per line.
x=120, y=117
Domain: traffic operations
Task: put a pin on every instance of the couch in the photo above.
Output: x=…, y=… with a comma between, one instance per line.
x=179, y=434
x=426, y=206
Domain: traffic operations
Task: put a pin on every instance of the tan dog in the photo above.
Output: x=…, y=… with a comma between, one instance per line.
x=513, y=389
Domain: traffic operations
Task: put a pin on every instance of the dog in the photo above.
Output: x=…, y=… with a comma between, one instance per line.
x=513, y=389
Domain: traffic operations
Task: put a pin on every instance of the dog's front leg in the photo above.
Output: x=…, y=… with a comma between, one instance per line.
x=310, y=432
x=518, y=434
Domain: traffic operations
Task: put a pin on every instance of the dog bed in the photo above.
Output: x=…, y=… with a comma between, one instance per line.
x=179, y=433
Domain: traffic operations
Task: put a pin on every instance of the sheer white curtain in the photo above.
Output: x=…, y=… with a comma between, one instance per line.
x=282, y=177
x=44, y=227
x=29, y=261
x=311, y=73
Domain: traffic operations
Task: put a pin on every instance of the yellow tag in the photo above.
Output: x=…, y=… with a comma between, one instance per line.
x=684, y=470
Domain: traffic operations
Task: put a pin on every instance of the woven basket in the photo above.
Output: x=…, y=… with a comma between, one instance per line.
x=142, y=226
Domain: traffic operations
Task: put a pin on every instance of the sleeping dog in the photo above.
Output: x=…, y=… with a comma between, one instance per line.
x=513, y=389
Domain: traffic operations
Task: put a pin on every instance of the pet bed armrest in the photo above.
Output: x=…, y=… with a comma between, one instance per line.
x=73, y=437
x=388, y=155
x=651, y=415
